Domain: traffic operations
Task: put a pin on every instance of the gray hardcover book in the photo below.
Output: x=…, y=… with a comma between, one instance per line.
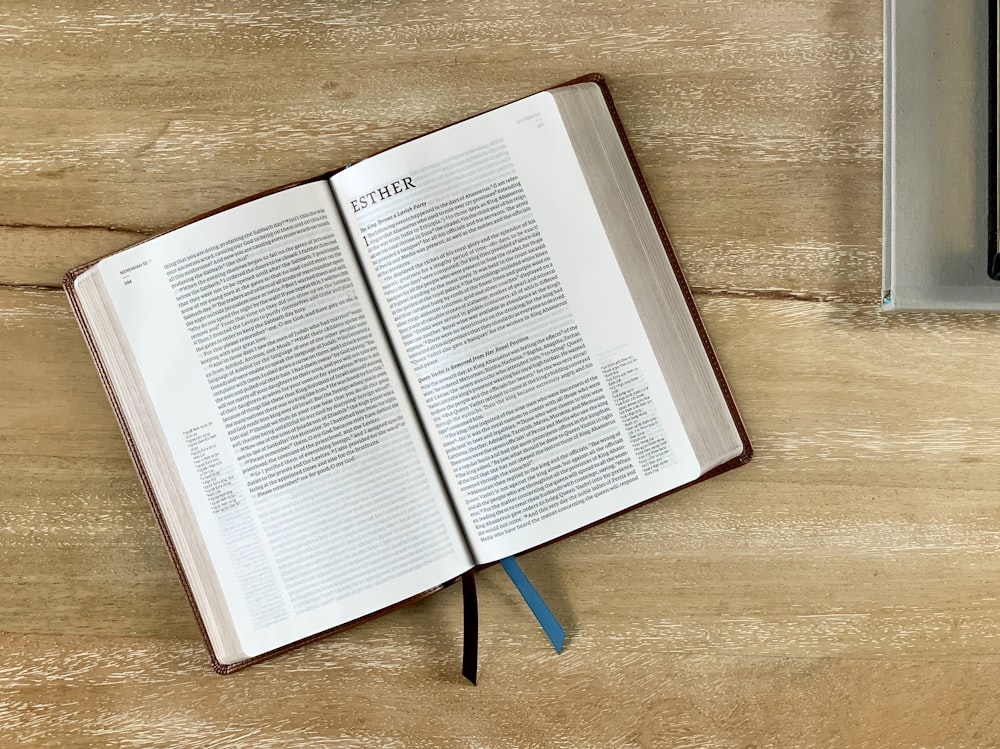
x=938, y=176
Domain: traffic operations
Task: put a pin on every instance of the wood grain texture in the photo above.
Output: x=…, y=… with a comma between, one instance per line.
x=841, y=590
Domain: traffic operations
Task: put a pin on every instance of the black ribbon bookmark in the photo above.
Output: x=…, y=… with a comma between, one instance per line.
x=470, y=627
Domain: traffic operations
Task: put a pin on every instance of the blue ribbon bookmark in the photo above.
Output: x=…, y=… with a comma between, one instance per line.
x=550, y=625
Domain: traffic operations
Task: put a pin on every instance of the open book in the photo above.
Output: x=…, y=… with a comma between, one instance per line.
x=346, y=393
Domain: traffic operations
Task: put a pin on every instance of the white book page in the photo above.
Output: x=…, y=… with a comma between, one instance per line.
x=529, y=363
x=285, y=414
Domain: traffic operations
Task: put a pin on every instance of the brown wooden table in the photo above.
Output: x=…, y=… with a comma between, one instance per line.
x=842, y=590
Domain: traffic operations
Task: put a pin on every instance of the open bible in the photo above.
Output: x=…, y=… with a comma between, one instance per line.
x=343, y=394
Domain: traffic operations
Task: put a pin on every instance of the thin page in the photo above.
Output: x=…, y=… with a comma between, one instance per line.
x=530, y=366
x=286, y=416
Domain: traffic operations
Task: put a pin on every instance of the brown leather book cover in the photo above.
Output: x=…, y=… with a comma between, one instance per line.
x=69, y=282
